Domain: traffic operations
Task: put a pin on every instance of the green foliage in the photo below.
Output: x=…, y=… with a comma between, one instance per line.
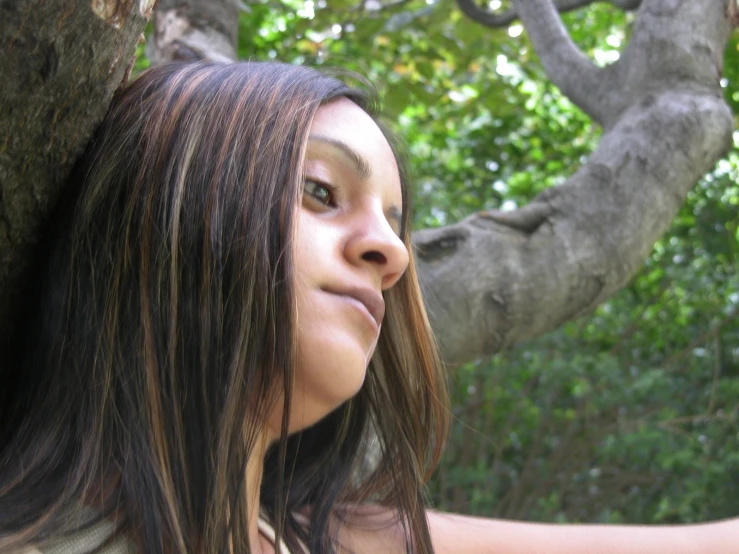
x=630, y=414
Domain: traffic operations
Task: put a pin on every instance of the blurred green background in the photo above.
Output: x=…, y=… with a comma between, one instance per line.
x=630, y=414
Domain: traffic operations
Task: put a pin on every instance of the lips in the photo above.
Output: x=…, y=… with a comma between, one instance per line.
x=372, y=300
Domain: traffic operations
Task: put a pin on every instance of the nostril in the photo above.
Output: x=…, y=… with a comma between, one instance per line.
x=375, y=257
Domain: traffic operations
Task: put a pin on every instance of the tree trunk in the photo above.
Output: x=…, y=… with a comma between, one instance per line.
x=61, y=62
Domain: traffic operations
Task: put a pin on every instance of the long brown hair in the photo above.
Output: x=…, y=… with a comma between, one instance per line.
x=162, y=330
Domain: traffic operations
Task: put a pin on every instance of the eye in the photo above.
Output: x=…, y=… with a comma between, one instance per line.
x=320, y=192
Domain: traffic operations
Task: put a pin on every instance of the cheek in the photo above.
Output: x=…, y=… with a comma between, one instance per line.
x=332, y=357
x=316, y=247
x=334, y=346
x=330, y=369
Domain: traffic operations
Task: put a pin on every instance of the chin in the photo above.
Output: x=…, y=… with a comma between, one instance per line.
x=338, y=385
x=320, y=392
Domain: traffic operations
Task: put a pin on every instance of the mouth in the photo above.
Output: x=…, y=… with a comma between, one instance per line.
x=371, y=300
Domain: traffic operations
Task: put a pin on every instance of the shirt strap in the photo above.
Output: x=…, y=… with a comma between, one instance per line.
x=268, y=531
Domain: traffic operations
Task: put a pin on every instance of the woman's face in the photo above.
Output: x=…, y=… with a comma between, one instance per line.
x=348, y=251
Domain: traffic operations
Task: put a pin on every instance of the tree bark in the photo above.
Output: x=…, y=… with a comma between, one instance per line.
x=190, y=30
x=61, y=62
x=499, y=278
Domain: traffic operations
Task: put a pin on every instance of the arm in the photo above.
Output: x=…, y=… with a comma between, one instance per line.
x=457, y=534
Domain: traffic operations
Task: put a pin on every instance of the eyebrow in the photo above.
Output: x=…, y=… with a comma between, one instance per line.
x=362, y=167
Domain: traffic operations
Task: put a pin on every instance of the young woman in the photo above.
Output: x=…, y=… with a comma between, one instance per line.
x=227, y=315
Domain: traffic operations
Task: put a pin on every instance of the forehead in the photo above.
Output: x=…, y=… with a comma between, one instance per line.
x=342, y=120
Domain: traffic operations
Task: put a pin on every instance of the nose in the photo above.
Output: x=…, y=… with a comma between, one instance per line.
x=375, y=243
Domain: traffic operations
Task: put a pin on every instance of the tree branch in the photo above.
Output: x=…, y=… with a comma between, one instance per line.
x=496, y=279
x=587, y=86
x=190, y=30
x=566, y=66
x=503, y=19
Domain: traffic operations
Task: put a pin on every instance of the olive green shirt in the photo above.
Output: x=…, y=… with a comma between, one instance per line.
x=86, y=539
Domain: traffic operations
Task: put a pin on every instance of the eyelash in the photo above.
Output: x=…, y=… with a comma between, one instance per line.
x=331, y=201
